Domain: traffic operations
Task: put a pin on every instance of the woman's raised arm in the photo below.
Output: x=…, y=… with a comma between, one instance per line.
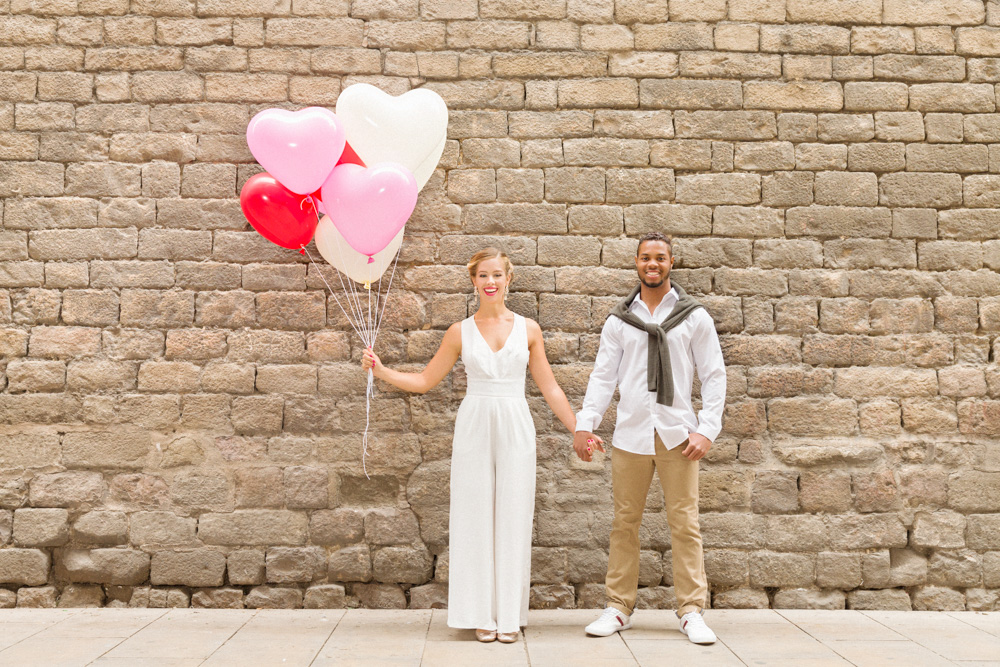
x=435, y=370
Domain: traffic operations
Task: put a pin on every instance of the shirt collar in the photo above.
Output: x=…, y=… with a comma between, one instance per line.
x=665, y=306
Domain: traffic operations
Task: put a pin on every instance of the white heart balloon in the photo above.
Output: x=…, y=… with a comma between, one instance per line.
x=409, y=129
x=338, y=252
x=426, y=169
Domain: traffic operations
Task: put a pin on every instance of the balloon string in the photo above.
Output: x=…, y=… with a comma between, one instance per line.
x=332, y=293
x=369, y=395
x=370, y=389
x=350, y=287
x=385, y=300
x=351, y=296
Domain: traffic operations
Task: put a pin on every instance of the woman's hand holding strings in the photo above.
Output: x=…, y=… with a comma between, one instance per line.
x=371, y=362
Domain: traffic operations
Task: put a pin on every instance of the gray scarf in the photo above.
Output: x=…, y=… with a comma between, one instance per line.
x=659, y=375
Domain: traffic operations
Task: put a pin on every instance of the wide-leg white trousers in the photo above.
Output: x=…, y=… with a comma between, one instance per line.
x=492, y=508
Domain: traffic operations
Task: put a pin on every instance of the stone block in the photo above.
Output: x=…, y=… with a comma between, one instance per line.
x=741, y=598
x=935, y=598
x=611, y=93
x=800, y=416
x=201, y=567
x=867, y=531
x=389, y=527
x=272, y=597
x=152, y=529
x=955, y=97
x=253, y=527
x=429, y=596
x=123, y=567
x=295, y=564
x=325, y=596
x=892, y=599
x=738, y=189
x=246, y=567
x=81, y=596
x=351, y=564
x=28, y=567
x=782, y=569
x=402, y=564
x=43, y=597
x=928, y=12
x=804, y=598
x=794, y=532
x=775, y=492
x=906, y=568
x=101, y=528
x=974, y=491
x=118, y=448
x=380, y=596
x=838, y=570
x=218, y=598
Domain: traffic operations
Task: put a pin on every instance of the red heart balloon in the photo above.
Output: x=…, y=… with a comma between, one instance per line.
x=349, y=156
x=277, y=213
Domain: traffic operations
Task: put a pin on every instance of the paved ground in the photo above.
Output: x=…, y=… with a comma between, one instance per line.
x=160, y=637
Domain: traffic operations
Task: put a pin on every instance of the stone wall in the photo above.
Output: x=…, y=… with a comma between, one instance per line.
x=181, y=414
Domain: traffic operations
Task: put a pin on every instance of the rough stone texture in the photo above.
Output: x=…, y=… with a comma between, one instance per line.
x=187, y=568
x=180, y=403
x=76, y=595
x=324, y=596
x=218, y=598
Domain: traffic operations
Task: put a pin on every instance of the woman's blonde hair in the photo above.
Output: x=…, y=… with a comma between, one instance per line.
x=490, y=253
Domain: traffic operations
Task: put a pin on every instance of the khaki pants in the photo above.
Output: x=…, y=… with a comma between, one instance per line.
x=631, y=475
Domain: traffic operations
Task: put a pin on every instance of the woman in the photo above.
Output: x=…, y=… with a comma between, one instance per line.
x=493, y=453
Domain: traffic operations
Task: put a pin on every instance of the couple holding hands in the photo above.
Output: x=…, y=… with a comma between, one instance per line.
x=651, y=345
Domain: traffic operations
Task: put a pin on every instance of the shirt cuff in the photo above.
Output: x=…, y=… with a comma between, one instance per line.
x=709, y=432
x=586, y=422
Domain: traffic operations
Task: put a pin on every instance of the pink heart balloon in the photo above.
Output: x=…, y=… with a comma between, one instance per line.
x=299, y=148
x=370, y=205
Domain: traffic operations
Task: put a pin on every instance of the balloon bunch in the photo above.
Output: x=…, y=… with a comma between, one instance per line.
x=362, y=166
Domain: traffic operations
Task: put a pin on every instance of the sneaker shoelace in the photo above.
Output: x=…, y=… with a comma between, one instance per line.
x=609, y=614
x=696, y=622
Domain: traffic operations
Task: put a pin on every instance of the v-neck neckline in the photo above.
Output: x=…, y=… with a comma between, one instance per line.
x=483, y=338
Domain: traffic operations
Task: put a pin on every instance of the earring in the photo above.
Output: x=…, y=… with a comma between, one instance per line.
x=506, y=290
x=475, y=291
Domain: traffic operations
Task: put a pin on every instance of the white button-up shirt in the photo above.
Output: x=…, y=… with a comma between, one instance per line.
x=622, y=360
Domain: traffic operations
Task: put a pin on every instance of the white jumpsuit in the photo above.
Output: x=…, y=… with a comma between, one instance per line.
x=492, y=487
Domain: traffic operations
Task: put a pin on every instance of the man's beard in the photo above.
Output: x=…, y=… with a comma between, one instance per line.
x=642, y=279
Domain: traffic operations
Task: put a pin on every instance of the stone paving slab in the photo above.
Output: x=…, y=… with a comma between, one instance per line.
x=311, y=638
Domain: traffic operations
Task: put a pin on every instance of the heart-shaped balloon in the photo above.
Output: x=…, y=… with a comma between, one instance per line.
x=409, y=129
x=338, y=252
x=370, y=205
x=299, y=148
x=277, y=213
x=350, y=156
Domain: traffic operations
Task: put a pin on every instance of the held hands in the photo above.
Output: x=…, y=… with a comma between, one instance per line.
x=584, y=442
x=371, y=362
x=697, y=446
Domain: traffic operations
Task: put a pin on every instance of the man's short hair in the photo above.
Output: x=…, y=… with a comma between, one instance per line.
x=655, y=236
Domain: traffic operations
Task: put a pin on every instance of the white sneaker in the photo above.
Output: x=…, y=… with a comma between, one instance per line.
x=693, y=625
x=610, y=622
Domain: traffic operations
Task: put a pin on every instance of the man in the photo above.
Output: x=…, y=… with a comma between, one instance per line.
x=651, y=344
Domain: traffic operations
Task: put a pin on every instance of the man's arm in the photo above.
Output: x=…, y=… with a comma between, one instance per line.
x=711, y=368
x=600, y=389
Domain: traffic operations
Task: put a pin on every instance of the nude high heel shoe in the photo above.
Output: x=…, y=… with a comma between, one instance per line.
x=507, y=637
x=486, y=635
